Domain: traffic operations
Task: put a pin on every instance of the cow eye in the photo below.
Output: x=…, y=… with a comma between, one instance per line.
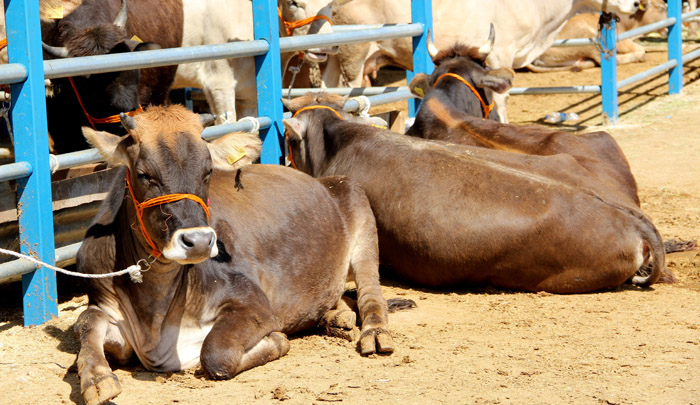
x=207, y=177
x=147, y=180
x=293, y=3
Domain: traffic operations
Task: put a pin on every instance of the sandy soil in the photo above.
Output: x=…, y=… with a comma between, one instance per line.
x=482, y=346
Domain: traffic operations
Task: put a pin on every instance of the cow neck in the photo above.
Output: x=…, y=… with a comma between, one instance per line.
x=309, y=107
x=164, y=199
x=486, y=108
x=112, y=119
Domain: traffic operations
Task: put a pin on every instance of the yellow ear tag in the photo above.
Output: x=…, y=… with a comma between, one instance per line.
x=55, y=13
x=233, y=158
x=136, y=38
x=419, y=91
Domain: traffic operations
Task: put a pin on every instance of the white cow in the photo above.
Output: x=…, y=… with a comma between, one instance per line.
x=229, y=84
x=524, y=29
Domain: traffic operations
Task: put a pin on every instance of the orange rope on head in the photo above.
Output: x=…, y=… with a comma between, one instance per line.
x=290, y=26
x=3, y=43
x=164, y=199
x=112, y=119
x=487, y=108
x=308, y=107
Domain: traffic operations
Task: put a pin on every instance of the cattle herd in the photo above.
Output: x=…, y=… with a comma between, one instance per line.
x=237, y=255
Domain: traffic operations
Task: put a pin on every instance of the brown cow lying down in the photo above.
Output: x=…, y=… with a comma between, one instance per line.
x=450, y=110
x=454, y=214
x=272, y=258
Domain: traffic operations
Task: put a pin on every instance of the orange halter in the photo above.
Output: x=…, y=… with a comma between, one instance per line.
x=487, y=108
x=112, y=119
x=164, y=199
x=3, y=43
x=309, y=107
x=291, y=26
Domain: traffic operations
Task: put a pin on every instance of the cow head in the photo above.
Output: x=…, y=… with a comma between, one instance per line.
x=296, y=19
x=612, y=6
x=469, y=64
x=305, y=130
x=166, y=156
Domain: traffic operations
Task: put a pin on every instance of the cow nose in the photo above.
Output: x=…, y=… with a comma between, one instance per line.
x=197, y=240
x=192, y=245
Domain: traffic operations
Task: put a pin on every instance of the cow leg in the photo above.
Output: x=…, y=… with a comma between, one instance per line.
x=499, y=101
x=97, y=382
x=628, y=52
x=364, y=267
x=219, y=86
x=341, y=320
x=243, y=337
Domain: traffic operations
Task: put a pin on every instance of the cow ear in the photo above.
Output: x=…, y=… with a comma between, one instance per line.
x=295, y=128
x=287, y=103
x=108, y=146
x=498, y=80
x=420, y=85
x=235, y=150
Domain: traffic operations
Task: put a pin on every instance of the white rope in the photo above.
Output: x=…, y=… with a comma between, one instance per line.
x=134, y=270
x=254, y=121
x=364, y=104
x=53, y=159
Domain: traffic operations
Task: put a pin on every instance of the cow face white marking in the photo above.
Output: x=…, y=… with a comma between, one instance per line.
x=191, y=245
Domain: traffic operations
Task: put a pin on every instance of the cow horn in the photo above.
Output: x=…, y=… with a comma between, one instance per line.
x=487, y=47
x=127, y=121
x=120, y=21
x=432, y=49
x=207, y=119
x=55, y=51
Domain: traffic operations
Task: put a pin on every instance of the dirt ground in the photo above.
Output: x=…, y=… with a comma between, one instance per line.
x=481, y=346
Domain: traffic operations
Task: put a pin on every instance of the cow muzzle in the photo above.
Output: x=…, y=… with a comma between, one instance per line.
x=320, y=55
x=192, y=245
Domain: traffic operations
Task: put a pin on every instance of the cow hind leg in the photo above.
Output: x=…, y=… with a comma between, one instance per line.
x=341, y=320
x=374, y=337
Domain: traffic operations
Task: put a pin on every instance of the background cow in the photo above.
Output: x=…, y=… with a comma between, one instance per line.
x=100, y=27
x=524, y=30
x=454, y=214
x=229, y=84
x=267, y=255
x=585, y=25
x=450, y=109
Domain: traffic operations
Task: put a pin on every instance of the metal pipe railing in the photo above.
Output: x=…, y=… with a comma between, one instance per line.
x=664, y=67
x=302, y=42
x=646, y=29
x=554, y=90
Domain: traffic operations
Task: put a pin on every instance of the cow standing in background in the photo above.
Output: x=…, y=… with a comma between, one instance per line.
x=268, y=254
x=229, y=84
x=585, y=25
x=450, y=215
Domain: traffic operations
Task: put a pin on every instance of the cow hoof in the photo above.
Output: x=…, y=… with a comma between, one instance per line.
x=376, y=341
x=101, y=389
x=344, y=319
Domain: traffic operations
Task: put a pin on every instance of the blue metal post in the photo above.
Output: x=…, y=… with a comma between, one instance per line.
x=675, y=47
x=608, y=67
x=421, y=12
x=28, y=115
x=268, y=73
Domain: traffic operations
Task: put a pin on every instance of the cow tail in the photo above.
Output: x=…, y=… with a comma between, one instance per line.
x=652, y=238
